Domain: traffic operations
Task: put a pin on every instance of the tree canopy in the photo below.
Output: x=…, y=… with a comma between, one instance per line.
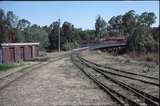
x=137, y=28
x=100, y=26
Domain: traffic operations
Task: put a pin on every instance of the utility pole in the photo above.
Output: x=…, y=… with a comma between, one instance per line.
x=59, y=47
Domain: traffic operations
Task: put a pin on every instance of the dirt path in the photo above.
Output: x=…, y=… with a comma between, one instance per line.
x=58, y=83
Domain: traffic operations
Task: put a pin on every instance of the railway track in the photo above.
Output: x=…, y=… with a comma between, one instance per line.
x=118, y=70
x=146, y=94
x=121, y=73
x=7, y=80
x=134, y=96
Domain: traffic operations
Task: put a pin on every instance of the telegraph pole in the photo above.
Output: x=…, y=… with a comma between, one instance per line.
x=59, y=47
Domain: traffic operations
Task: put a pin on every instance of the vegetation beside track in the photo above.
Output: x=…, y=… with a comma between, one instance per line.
x=4, y=67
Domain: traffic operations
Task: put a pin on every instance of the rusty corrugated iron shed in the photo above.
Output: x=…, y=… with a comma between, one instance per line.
x=14, y=52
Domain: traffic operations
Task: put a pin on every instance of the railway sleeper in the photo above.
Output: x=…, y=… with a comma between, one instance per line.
x=147, y=100
x=121, y=75
x=99, y=65
x=113, y=96
x=131, y=102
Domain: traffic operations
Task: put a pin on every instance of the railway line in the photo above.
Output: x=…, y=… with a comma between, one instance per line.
x=10, y=78
x=124, y=94
x=121, y=73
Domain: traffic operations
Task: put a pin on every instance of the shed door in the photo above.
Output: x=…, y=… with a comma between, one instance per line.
x=0, y=56
x=22, y=53
x=30, y=52
x=11, y=55
x=36, y=50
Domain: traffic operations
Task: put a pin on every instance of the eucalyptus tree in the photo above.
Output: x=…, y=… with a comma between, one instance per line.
x=115, y=27
x=129, y=20
x=147, y=19
x=2, y=25
x=53, y=35
x=67, y=31
x=23, y=24
x=100, y=26
x=67, y=34
x=8, y=23
x=35, y=33
x=142, y=40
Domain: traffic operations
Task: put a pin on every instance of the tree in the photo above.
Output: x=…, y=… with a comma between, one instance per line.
x=78, y=33
x=20, y=37
x=100, y=26
x=142, y=39
x=23, y=24
x=129, y=20
x=147, y=19
x=67, y=33
x=11, y=26
x=137, y=28
x=155, y=33
x=67, y=29
x=37, y=34
x=8, y=23
x=46, y=28
x=115, y=27
x=2, y=26
x=53, y=35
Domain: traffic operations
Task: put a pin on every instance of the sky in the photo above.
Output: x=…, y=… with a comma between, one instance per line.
x=81, y=14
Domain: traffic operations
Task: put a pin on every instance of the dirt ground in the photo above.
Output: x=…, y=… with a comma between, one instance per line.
x=127, y=64
x=57, y=83
x=20, y=66
x=62, y=83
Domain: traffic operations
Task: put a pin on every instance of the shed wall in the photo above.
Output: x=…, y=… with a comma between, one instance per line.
x=11, y=54
x=1, y=56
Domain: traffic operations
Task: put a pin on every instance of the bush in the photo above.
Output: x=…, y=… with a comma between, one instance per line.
x=4, y=67
x=142, y=41
x=69, y=45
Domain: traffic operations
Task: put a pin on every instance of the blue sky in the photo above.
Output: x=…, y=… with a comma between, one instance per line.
x=79, y=13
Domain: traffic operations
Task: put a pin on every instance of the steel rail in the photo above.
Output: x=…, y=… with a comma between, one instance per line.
x=101, y=85
x=149, y=98
x=121, y=75
x=99, y=65
x=131, y=102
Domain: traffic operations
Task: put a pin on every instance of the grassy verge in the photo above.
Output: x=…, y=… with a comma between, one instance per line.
x=150, y=57
x=4, y=67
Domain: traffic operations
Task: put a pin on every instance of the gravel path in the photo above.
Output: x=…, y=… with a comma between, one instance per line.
x=58, y=83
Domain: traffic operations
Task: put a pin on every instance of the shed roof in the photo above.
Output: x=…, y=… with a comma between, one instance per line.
x=18, y=44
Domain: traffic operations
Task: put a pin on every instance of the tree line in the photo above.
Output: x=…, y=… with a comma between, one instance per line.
x=141, y=37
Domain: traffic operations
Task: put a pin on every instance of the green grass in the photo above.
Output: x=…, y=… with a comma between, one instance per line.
x=4, y=67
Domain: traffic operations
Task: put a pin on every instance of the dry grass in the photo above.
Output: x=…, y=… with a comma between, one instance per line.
x=150, y=57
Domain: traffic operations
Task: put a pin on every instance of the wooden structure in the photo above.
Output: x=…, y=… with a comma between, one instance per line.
x=104, y=41
x=14, y=52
